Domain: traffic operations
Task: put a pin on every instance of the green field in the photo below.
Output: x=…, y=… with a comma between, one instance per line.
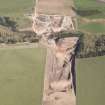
x=93, y=27
x=16, y=9
x=90, y=8
x=21, y=76
x=91, y=81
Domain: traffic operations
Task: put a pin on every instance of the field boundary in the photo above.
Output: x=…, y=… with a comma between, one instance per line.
x=19, y=46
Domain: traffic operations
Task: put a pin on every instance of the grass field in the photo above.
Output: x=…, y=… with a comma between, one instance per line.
x=93, y=27
x=21, y=76
x=91, y=81
x=90, y=8
x=16, y=10
x=15, y=7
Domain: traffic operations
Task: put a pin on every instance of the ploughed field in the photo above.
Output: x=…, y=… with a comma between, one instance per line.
x=91, y=81
x=21, y=76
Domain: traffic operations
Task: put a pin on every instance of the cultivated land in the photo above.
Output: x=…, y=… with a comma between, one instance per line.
x=93, y=27
x=91, y=13
x=90, y=71
x=91, y=23
x=91, y=81
x=21, y=76
x=90, y=8
x=16, y=9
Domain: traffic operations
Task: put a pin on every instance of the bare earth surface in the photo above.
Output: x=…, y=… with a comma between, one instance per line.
x=55, y=7
x=55, y=98
x=54, y=93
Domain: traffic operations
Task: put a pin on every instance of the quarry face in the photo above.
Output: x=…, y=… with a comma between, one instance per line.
x=59, y=79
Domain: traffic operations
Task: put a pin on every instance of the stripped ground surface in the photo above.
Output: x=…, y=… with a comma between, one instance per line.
x=55, y=98
x=53, y=7
x=63, y=8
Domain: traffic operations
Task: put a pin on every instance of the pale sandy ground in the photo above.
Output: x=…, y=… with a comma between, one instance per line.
x=64, y=8
x=55, y=7
x=55, y=98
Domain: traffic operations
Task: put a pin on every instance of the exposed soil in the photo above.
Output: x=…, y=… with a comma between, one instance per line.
x=60, y=7
x=18, y=46
x=59, y=93
x=55, y=98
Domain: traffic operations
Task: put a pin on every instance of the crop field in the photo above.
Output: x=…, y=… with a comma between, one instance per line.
x=21, y=76
x=93, y=27
x=91, y=81
x=16, y=9
x=90, y=8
